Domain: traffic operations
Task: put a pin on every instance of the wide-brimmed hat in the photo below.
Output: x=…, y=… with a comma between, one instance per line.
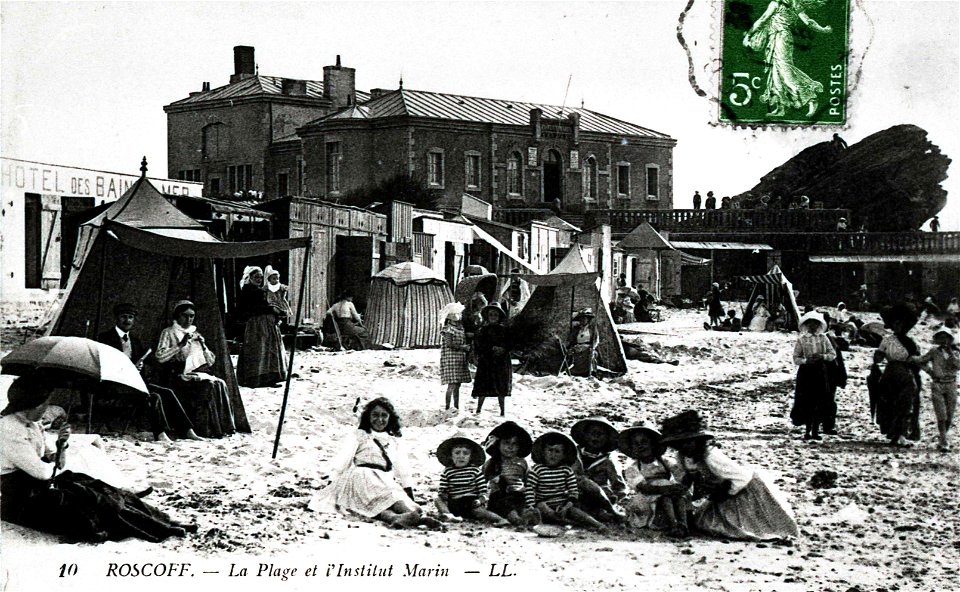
x=579, y=431
x=814, y=316
x=26, y=392
x=584, y=312
x=445, y=451
x=125, y=308
x=947, y=332
x=551, y=438
x=495, y=306
x=625, y=439
x=509, y=429
x=685, y=426
x=449, y=309
x=902, y=312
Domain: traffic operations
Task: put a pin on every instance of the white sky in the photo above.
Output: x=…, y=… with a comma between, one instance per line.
x=83, y=84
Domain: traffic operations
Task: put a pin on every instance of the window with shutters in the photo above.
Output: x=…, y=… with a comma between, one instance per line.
x=653, y=182
x=623, y=180
x=283, y=184
x=240, y=178
x=590, y=178
x=333, y=167
x=472, y=169
x=435, y=168
x=514, y=178
x=213, y=141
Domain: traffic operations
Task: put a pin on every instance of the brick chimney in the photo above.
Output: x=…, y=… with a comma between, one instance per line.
x=535, y=116
x=243, y=64
x=339, y=85
x=206, y=87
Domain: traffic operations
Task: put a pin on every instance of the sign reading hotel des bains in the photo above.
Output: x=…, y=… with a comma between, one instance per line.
x=36, y=177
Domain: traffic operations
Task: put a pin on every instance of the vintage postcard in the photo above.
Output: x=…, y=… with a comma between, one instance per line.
x=653, y=295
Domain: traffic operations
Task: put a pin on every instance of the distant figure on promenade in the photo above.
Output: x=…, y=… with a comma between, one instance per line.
x=725, y=203
x=842, y=225
x=935, y=224
x=696, y=200
x=711, y=203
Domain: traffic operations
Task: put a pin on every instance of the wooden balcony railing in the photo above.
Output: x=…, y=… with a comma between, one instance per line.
x=875, y=243
x=747, y=220
x=521, y=216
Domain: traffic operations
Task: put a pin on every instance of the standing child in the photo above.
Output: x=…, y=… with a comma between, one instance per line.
x=463, y=490
x=552, y=485
x=598, y=473
x=740, y=503
x=662, y=500
x=494, y=367
x=453, y=353
x=812, y=354
x=942, y=363
x=873, y=384
x=508, y=445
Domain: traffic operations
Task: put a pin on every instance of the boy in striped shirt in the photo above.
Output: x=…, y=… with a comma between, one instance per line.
x=552, y=485
x=463, y=489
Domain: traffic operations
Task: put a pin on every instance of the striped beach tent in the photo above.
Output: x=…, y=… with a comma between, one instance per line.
x=776, y=289
x=403, y=306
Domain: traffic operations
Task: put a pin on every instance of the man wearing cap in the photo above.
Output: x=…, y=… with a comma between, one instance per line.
x=165, y=411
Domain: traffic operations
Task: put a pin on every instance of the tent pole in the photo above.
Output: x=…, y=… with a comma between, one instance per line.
x=103, y=273
x=293, y=350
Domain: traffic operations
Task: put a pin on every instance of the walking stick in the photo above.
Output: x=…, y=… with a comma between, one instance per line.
x=61, y=446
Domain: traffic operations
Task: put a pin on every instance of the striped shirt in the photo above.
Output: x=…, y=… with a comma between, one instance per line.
x=550, y=485
x=457, y=482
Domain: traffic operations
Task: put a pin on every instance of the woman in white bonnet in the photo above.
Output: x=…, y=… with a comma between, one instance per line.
x=453, y=353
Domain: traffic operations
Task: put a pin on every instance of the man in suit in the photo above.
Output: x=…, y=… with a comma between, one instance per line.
x=165, y=411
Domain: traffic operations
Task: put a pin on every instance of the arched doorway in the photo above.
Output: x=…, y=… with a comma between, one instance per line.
x=552, y=177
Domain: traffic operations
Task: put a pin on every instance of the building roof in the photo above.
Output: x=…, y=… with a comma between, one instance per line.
x=417, y=103
x=258, y=86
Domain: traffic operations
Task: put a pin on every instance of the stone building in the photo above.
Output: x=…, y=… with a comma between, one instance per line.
x=220, y=136
x=279, y=137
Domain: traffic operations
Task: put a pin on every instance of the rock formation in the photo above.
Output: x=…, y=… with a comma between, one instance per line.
x=890, y=180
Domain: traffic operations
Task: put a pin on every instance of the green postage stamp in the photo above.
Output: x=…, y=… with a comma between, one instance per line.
x=784, y=62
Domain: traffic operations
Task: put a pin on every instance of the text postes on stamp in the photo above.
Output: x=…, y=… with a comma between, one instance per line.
x=784, y=62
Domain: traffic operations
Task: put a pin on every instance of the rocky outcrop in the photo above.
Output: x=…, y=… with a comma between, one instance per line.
x=890, y=181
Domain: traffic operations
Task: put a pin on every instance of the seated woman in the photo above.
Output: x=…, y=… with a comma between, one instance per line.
x=369, y=476
x=185, y=364
x=761, y=315
x=74, y=505
x=261, y=360
x=353, y=335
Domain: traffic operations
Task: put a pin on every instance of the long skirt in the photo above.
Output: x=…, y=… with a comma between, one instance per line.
x=811, y=397
x=583, y=360
x=758, y=512
x=262, y=357
x=83, y=509
x=362, y=490
x=353, y=335
x=207, y=403
x=898, y=404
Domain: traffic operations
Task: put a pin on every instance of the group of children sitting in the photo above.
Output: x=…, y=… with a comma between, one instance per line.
x=575, y=480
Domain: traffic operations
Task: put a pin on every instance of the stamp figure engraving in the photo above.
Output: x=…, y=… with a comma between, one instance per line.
x=784, y=66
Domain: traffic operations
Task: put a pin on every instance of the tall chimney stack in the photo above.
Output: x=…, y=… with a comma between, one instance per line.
x=339, y=85
x=244, y=65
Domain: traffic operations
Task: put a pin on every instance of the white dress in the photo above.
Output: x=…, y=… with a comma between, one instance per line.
x=366, y=479
x=760, y=317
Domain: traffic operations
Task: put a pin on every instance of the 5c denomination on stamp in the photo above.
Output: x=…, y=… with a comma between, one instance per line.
x=784, y=62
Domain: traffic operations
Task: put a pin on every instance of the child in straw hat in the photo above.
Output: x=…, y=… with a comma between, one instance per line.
x=942, y=362
x=463, y=490
x=453, y=353
x=598, y=473
x=552, y=485
x=662, y=501
x=508, y=445
x=740, y=504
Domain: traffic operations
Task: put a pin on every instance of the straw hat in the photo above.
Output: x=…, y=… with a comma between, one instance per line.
x=685, y=426
x=584, y=312
x=579, y=431
x=900, y=312
x=814, y=316
x=445, y=451
x=508, y=429
x=625, y=440
x=26, y=392
x=551, y=438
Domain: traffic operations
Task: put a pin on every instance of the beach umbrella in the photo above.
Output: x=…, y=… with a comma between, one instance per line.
x=74, y=358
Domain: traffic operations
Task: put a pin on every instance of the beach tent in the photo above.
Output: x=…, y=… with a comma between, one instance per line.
x=777, y=289
x=144, y=251
x=403, y=306
x=557, y=295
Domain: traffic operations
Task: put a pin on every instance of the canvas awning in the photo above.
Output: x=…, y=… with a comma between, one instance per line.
x=721, y=246
x=153, y=241
x=688, y=259
x=410, y=272
x=912, y=258
x=490, y=239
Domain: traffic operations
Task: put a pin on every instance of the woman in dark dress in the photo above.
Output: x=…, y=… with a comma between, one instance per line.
x=494, y=368
x=898, y=404
x=261, y=358
x=716, y=306
x=74, y=505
